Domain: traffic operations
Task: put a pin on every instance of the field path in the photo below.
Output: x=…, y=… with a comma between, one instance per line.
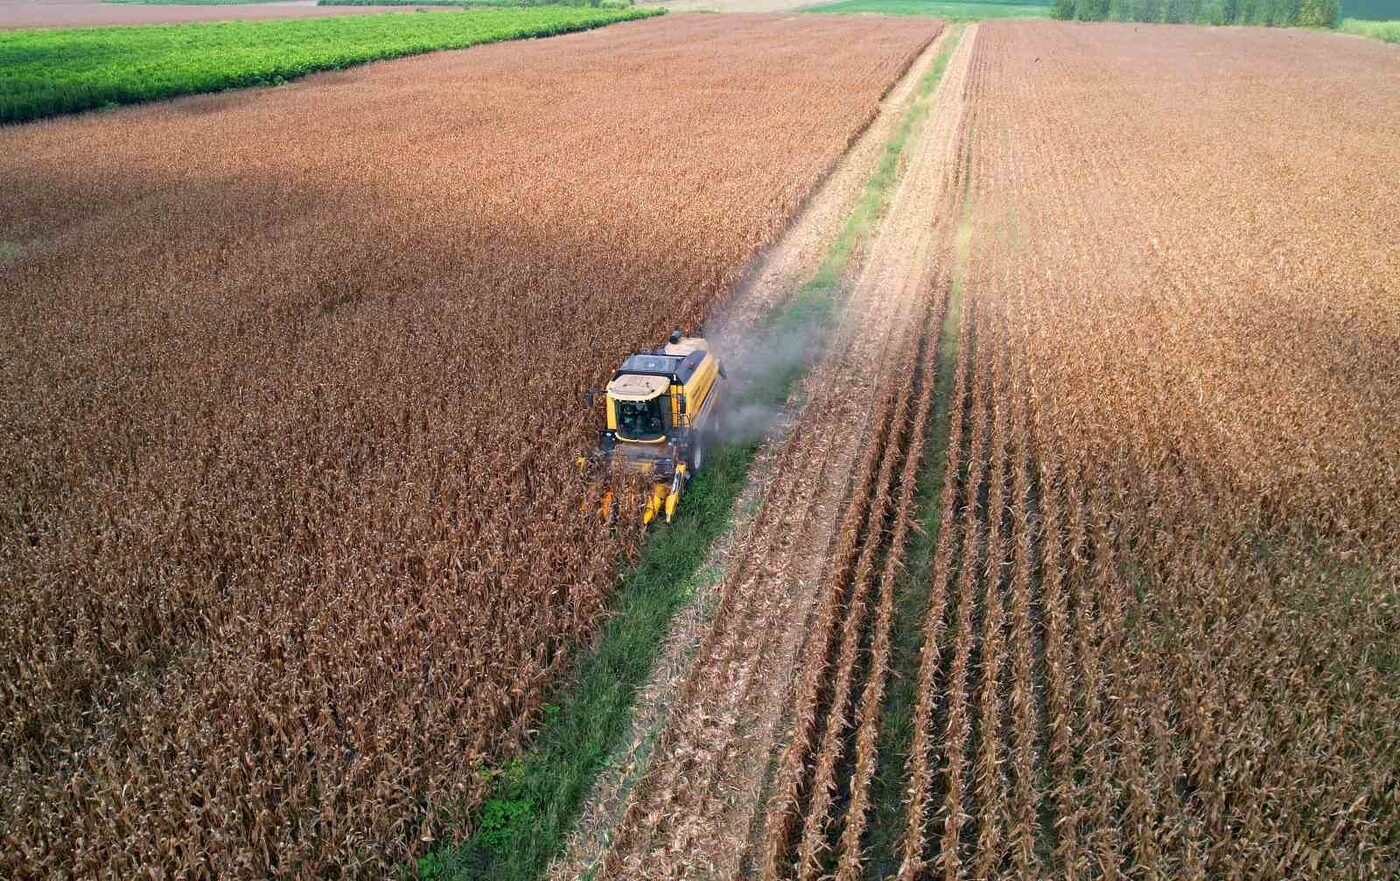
x=697, y=810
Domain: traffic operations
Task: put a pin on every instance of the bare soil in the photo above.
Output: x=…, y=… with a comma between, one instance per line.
x=734, y=5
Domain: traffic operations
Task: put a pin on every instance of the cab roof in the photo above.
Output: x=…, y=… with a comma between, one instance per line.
x=637, y=386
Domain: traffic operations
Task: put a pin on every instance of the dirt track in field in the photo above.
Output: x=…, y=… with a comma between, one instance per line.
x=795, y=257
x=697, y=811
x=93, y=13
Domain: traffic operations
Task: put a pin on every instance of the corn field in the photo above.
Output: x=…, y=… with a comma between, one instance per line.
x=293, y=541
x=293, y=384
x=1161, y=627
x=1163, y=617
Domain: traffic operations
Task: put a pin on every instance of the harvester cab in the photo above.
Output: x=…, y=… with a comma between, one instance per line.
x=662, y=412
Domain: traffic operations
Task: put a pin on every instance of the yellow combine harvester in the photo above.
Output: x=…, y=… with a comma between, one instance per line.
x=661, y=411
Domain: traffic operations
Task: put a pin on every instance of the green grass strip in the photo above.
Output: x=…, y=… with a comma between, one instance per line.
x=48, y=71
x=949, y=11
x=537, y=798
x=1386, y=31
x=601, y=4
x=439, y=3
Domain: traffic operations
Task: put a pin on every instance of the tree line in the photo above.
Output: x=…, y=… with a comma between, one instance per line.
x=1278, y=13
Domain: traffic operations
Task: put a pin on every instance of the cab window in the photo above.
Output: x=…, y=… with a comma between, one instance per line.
x=641, y=420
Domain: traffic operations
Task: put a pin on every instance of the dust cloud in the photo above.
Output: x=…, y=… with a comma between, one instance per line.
x=761, y=366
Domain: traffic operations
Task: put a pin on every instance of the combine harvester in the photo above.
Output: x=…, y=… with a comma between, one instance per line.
x=662, y=411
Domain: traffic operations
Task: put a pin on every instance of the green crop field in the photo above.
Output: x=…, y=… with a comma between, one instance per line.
x=44, y=72
x=950, y=11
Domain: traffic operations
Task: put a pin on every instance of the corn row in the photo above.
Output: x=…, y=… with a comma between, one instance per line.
x=1024, y=719
x=813, y=841
x=1101, y=760
x=958, y=728
x=868, y=716
x=990, y=783
x=836, y=723
x=920, y=775
x=1139, y=834
x=1070, y=794
x=785, y=805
